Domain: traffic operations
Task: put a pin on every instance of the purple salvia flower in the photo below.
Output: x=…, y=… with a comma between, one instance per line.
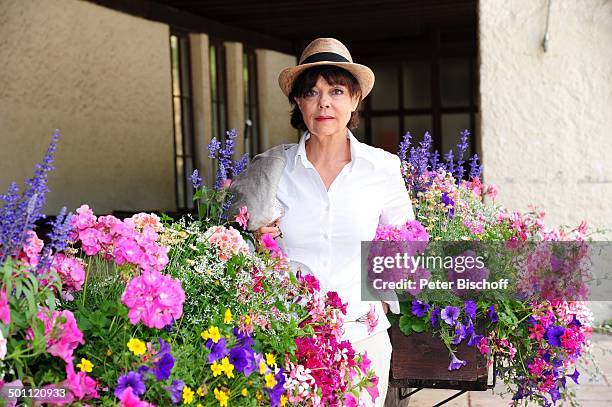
x=475, y=168
x=462, y=148
x=404, y=146
x=434, y=160
x=450, y=314
x=450, y=162
x=456, y=363
x=240, y=165
x=449, y=203
x=225, y=207
x=58, y=238
x=23, y=212
x=213, y=148
x=195, y=179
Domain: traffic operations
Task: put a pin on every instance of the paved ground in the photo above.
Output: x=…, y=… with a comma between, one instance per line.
x=597, y=393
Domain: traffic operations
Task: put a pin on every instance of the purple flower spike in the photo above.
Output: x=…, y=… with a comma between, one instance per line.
x=450, y=314
x=456, y=363
x=195, y=179
x=133, y=380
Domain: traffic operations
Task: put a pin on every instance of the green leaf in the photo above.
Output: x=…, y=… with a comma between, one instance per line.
x=405, y=325
x=418, y=325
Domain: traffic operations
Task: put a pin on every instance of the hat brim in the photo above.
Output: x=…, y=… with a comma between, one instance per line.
x=363, y=74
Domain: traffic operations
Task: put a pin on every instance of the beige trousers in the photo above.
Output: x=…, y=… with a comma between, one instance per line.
x=378, y=347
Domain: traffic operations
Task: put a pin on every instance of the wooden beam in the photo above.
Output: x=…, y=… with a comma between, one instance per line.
x=189, y=22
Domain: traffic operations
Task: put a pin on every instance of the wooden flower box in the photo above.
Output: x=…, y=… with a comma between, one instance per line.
x=421, y=360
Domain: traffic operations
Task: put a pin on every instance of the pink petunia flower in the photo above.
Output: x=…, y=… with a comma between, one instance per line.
x=243, y=217
x=5, y=310
x=62, y=337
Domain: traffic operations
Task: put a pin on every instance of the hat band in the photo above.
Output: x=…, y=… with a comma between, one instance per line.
x=324, y=56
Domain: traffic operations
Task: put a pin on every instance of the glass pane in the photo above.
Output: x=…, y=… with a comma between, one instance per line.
x=385, y=92
x=180, y=181
x=385, y=133
x=455, y=82
x=174, y=62
x=417, y=126
x=184, y=53
x=187, y=130
x=178, y=128
x=213, y=73
x=452, y=126
x=417, y=84
x=215, y=121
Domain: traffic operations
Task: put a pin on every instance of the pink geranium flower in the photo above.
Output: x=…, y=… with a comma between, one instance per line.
x=271, y=245
x=79, y=384
x=70, y=270
x=153, y=299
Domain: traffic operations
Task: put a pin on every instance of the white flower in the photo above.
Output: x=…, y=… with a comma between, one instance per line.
x=2, y=346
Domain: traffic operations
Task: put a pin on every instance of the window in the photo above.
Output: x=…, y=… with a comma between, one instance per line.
x=218, y=89
x=182, y=107
x=432, y=94
x=251, y=106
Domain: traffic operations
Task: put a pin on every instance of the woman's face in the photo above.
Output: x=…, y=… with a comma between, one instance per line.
x=326, y=109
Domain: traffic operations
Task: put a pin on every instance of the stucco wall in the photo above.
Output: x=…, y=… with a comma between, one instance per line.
x=273, y=105
x=103, y=78
x=547, y=117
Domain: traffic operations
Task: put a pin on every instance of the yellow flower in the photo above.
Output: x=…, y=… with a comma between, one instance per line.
x=205, y=335
x=85, y=365
x=262, y=367
x=227, y=318
x=187, y=395
x=109, y=352
x=227, y=367
x=270, y=359
x=137, y=346
x=214, y=334
x=258, y=396
x=222, y=397
x=283, y=400
x=270, y=380
x=199, y=405
x=247, y=319
x=244, y=392
x=216, y=368
x=200, y=391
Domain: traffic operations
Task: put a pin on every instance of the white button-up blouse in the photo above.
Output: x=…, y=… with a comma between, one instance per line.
x=323, y=229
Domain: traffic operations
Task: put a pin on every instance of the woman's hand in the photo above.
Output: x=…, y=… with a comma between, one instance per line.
x=272, y=229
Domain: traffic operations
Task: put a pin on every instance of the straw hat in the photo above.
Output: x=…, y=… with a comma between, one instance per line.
x=327, y=51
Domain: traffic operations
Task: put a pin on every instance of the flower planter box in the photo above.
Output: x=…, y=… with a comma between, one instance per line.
x=421, y=360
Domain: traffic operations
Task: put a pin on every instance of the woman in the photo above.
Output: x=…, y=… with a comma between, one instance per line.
x=334, y=190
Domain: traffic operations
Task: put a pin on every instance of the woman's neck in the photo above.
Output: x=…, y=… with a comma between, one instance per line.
x=329, y=149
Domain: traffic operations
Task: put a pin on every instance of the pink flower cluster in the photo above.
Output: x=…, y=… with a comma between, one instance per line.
x=154, y=299
x=71, y=271
x=133, y=240
x=61, y=332
x=30, y=254
x=228, y=241
x=327, y=368
x=5, y=310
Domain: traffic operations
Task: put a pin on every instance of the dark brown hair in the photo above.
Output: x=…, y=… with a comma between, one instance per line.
x=334, y=76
